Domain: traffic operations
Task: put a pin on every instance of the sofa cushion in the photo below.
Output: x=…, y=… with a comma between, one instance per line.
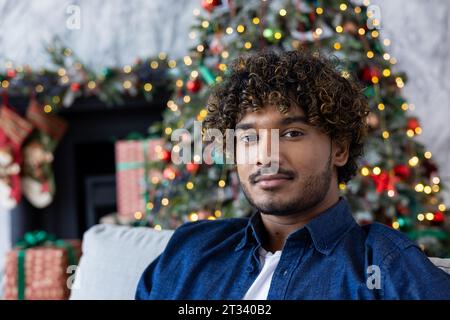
x=444, y=264
x=114, y=257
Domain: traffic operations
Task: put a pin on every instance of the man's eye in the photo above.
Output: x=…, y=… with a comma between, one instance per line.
x=249, y=138
x=293, y=134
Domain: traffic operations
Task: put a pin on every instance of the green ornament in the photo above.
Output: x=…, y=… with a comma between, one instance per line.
x=369, y=92
x=106, y=72
x=404, y=222
x=377, y=48
x=272, y=35
x=268, y=33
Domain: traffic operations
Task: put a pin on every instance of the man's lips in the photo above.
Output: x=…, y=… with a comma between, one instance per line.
x=271, y=181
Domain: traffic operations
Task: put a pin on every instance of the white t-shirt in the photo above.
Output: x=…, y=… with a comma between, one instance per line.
x=260, y=288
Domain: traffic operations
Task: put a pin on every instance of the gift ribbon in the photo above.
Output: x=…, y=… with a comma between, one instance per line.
x=121, y=166
x=35, y=239
x=207, y=75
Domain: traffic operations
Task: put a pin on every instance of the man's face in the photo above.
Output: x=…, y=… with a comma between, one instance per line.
x=304, y=159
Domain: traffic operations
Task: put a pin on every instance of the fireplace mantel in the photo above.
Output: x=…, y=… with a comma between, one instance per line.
x=85, y=159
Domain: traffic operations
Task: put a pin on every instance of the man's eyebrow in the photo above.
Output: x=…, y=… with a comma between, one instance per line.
x=283, y=122
x=290, y=120
x=244, y=126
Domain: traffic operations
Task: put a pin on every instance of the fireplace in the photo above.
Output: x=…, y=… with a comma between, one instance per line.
x=84, y=165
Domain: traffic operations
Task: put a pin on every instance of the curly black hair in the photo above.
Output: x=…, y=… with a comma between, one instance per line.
x=331, y=102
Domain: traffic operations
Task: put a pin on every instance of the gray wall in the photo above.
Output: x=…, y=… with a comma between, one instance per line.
x=112, y=32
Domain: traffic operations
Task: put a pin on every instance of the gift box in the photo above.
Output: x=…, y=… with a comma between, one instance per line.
x=134, y=175
x=41, y=268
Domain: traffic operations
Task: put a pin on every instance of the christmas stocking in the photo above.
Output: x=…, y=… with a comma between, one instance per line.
x=13, y=131
x=37, y=177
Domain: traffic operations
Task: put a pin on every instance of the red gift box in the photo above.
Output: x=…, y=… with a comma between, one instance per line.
x=45, y=272
x=132, y=157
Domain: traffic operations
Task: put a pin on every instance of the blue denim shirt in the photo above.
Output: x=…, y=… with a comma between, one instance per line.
x=332, y=257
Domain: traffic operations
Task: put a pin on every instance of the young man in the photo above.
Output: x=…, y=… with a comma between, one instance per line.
x=302, y=241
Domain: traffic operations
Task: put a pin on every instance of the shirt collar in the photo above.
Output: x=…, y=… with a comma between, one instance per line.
x=326, y=230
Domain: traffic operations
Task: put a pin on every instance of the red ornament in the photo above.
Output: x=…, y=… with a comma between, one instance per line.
x=11, y=73
x=75, y=86
x=402, y=171
x=381, y=181
x=210, y=5
x=165, y=155
x=438, y=217
x=192, y=167
x=413, y=123
x=369, y=72
x=385, y=181
x=194, y=85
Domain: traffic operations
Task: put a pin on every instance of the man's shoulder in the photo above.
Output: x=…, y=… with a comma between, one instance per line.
x=385, y=241
x=381, y=233
x=406, y=271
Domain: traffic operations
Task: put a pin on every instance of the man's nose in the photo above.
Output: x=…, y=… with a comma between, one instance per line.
x=268, y=147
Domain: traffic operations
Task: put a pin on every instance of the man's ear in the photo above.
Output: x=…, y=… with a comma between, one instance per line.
x=340, y=152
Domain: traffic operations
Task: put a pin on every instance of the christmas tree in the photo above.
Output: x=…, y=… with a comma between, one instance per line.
x=397, y=183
